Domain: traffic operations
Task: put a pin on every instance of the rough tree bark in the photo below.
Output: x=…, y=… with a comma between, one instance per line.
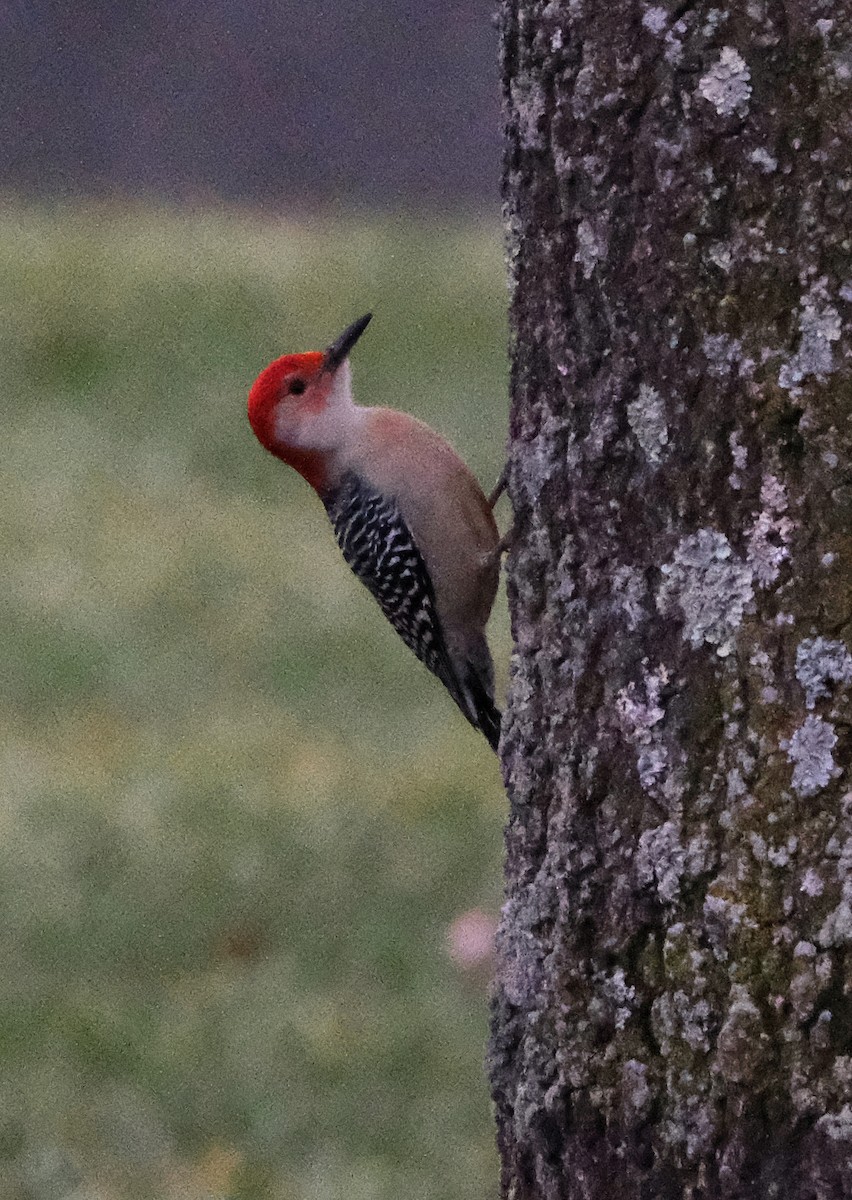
x=673, y=1005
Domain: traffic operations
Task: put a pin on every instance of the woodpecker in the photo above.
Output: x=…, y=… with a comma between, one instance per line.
x=410, y=518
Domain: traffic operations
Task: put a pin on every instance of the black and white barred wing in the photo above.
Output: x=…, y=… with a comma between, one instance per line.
x=378, y=546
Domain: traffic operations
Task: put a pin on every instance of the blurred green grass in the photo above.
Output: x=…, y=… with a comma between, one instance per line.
x=238, y=817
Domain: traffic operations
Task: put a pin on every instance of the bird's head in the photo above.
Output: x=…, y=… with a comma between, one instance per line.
x=298, y=405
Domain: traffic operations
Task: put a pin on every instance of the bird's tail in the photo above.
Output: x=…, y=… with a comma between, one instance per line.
x=471, y=685
x=486, y=715
x=472, y=688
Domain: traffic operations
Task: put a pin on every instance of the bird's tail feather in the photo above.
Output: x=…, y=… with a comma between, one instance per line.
x=472, y=688
x=481, y=710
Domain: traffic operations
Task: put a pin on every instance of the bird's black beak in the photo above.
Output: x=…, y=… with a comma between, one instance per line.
x=339, y=350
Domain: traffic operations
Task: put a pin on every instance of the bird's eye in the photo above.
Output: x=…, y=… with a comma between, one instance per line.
x=297, y=387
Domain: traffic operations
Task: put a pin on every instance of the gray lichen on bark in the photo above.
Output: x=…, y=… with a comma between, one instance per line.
x=673, y=1005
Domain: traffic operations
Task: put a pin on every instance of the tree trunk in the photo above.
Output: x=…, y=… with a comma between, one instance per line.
x=673, y=1005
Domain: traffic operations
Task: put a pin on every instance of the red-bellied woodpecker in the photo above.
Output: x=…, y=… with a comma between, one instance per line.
x=410, y=518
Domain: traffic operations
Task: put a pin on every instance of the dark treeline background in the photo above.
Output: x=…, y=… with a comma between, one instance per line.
x=387, y=104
